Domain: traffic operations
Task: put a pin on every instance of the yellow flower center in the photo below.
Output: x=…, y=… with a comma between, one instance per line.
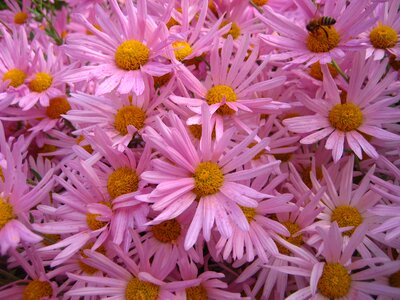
x=346, y=215
x=196, y=130
x=383, y=37
x=6, y=213
x=208, y=179
x=335, y=281
x=97, y=26
x=131, y=54
x=1, y=175
x=249, y=213
x=315, y=71
x=345, y=117
x=306, y=176
x=167, y=231
x=129, y=115
x=394, y=279
x=20, y=18
x=93, y=223
x=88, y=147
x=58, y=106
x=122, y=181
x=141, y=290
x=323, y=39
x=260, y=2
x=181, y=50
x=47, y=148
x=297, y=240
x=234, y=31
x=41, y=82
x=84, y=267
x=217, y=94
x=37, y=290
x=16, y=77
x=196, y=293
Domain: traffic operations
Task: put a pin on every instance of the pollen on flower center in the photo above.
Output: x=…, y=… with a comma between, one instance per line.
x=20, y=17
x=217, y=94
x=37, y=290
x=129, y=115
x=208, y=179
x=335, y=281
x=234, y=31
x=260, y=2
x=139, y=290
x=131, y=54
x=323, y=39
x=58, y=106
x=345, y=117
x=6, y=213
x=297, y=240
x=41, y=82
x=383, y=37
x=249, y=213
x=122, y=181
x=196, y=293
x=16, y=77
x=93, y=223
x=346, y=215
x=182, y=50
x=167, y=231
x=316, y=72
x=394, y=279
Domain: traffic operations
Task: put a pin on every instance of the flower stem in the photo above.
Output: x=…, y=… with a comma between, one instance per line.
x=340, y=71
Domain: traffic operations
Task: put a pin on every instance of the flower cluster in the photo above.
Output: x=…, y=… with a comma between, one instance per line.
x=195, y=149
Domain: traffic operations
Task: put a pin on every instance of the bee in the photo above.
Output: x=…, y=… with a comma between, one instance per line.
x=317, y=23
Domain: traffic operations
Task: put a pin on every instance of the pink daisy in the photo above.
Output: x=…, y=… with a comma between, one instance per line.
x=326, y=42
x=16, y=15
x=136, y=278
x=230, y=88
x=120, y=118
x=365, y=111
x=384, y=36
x=208, y=174
x=126, y=50
x=47, y=79
x=336, y=275
x=17, y=197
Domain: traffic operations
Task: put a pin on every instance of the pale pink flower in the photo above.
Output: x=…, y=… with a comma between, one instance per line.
x=124, y=53
x=208, y=173
x=300, y=46
x=231, y=88
x=16, y=16
x=120, y=117
x=383, y=37
x=335, y=275
x=365, y=110
x=17, y=197
x=126, y=281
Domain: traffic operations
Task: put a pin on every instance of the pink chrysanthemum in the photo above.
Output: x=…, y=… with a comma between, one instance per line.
x=336, y=275
x=123, y=52
x=17, y=197
x=384, y=36
x=16, y=16
x=208, y=174
x=364, y=111
x=326, y=42
x=230, y=88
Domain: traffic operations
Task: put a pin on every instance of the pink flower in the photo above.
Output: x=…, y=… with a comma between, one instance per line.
x=364, y=111
x=17, y=197
x=208, y=174
x=126, y=50
x=323, y=44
